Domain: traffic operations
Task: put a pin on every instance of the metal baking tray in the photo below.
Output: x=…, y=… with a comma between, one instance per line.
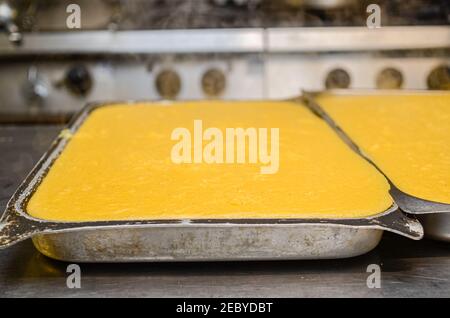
x=190, y=240
x=434, y=215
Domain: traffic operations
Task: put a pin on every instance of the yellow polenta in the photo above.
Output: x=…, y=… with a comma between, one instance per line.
x=118, y=166
x=407, y=136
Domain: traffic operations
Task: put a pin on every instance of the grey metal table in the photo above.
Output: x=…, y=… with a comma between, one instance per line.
x=409, y=268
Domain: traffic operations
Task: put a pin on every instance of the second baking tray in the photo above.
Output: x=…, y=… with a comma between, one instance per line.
x=435, y=216
x=191, y=240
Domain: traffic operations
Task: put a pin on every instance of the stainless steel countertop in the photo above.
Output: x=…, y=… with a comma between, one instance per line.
x=409, y=268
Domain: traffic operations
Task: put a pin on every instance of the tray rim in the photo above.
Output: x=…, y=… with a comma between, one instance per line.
x=19, y=225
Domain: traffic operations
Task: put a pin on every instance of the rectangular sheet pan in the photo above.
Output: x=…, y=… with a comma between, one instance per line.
x=191, y=240
x=434, y=215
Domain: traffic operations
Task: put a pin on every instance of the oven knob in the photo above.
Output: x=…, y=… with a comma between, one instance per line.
x=390, y=78
x=439, y=78
x=78, y=80
x=213, y=83
x=337, y=78
x=35, y=88
x=168, y=84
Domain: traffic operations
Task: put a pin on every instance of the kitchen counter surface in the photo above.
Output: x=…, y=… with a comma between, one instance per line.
x=409, y=268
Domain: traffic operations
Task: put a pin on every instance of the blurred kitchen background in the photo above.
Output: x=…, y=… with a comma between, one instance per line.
x=196, y=49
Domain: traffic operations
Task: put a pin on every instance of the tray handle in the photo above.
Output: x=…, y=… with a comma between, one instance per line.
x=15, y=228
x=402, y=224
